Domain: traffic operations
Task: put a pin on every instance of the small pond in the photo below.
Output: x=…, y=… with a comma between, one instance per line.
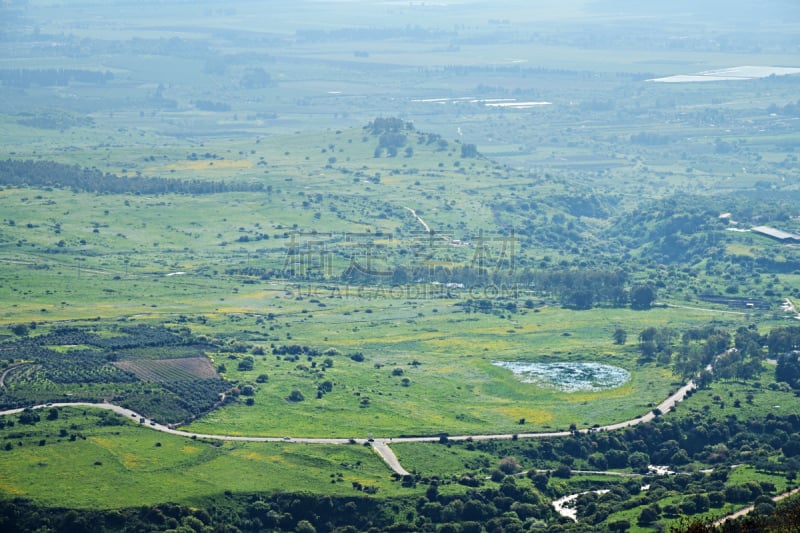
x=568, y=376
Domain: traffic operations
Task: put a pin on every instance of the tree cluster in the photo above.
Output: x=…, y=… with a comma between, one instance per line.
x=24, y=173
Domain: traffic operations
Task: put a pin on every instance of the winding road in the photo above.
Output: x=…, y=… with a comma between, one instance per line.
x=381, y=446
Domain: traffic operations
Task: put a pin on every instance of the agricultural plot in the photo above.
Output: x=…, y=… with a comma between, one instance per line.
x=76, y=364
x=166, y=370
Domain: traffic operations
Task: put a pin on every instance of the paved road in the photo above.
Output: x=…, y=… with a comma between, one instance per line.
x=381, y=446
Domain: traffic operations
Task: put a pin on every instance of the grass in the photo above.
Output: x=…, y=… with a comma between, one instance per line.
x=454, y=389
x=128, y=465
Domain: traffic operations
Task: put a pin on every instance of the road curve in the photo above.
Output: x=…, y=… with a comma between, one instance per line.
x=5, y=374
x=381, y=446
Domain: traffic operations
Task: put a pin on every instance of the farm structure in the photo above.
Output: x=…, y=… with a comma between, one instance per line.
x=778, y=235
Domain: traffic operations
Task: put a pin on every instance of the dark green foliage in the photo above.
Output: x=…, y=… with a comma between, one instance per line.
x=469, y=150
x=642, y=296
x=381, y=126
x=21, y=330
x=781, y=518
x=295, y=396
x=52, y=174
x=246, y=364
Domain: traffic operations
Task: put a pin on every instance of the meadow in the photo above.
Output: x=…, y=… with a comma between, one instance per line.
x=82, y=460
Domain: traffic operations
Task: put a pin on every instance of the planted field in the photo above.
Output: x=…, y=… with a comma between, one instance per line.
x=167, y=370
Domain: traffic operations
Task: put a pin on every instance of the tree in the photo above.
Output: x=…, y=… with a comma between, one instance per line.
x=639, y=461
x=648, y=335
x=647, y=516
x=704, y=379
x=620, y=336
x=304, y=526
x=497, y=476
x=28, y=416
x=581, y=299
x=562, y=471
x=702, y=503
x=539, y=479
x=788, y=368
x=642, y=297
x=648, y=349
x=791, y=448
x=619, y=525
x=510, y=465
x=20, y=330
x=598, y=461
x=295, y=396
x=469, y=150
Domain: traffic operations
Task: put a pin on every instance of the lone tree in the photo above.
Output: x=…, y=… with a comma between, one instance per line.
x=642, y=296
x=620, y=336
x=295, y=396
x=509, y=465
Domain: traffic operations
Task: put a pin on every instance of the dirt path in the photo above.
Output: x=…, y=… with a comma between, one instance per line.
x=742, y=512
x=721, y=311
x=789, y=307
x=381, y=447
x=6, y=373
x=419, y=219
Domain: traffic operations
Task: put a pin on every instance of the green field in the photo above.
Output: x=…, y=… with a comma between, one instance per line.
x=125, y=465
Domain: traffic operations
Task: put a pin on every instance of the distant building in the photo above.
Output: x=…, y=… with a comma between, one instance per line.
x=778, y=235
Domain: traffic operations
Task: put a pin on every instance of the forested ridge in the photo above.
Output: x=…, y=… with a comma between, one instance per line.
x=21, y=173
